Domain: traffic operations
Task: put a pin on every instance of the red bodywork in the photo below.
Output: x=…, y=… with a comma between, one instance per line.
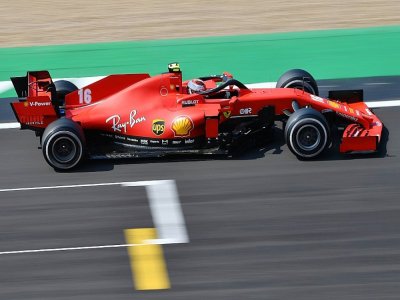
x=159, y=108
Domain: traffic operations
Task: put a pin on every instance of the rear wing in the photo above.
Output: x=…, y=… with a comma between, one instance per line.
x=36, y=92
x=36, y=83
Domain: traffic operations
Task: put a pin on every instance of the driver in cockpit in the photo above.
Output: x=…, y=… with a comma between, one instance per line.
x=198, y=86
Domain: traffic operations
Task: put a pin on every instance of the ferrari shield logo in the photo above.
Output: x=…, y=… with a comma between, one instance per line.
x=227, y=114
x=158, y=127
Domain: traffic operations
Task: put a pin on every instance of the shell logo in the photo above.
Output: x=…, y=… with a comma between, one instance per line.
x=334, y=104
x=182, y=126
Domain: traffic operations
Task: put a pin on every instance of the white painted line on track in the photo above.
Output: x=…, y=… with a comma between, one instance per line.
x=165, y=209
x=68, y=249
x=378, y=104
x=136, y=183
x=10, y=125
x=5, y=86
x=150, y=242
x=59, y=187
x=261, y=85
x=377, y=83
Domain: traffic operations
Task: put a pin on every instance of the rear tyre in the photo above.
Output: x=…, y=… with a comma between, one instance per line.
x=63, y=88
x=298, y=79
x=63, y=144
x=307, y=133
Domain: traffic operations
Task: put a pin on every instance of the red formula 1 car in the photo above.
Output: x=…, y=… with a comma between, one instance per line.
x=136, y=115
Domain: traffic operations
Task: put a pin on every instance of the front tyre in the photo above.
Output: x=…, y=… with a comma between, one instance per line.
x=307, y=133
x=63, y=144
x=298, y=79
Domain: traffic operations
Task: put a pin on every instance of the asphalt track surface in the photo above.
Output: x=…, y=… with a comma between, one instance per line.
x=261, y=226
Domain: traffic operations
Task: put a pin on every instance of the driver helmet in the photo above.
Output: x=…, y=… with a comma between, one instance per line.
x=196, y=86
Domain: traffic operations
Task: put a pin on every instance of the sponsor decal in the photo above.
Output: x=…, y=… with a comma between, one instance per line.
x=119, y=137
x=164, y=142
x=154, y=142
x=334, y=104
x=107, y=135
x=132, y=140
x=189, y=141
x=227, y=114
x=32, y=120
x=182, y=126
x=158, y=127
x=176, y=142
x=38, y=104
x=34, y=123
x=354, y=119
x=316, y=98
x=368, y=112
x=190, y=102
x=245, y=111
x=119, y=126
x=144, y=142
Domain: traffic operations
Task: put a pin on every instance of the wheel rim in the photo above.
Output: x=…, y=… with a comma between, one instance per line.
x=64, y=149
x=308, y=137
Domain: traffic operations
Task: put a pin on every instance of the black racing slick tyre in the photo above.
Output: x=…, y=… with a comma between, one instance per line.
x=63, y=88
x=298, y=79
x=307, y=133
x=63, y=144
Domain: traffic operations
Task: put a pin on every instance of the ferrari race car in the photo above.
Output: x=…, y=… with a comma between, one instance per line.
x=138, y=115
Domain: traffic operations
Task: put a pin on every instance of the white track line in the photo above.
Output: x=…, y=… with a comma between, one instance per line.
x=377, y=104
x=378, y=83
x=261, y=85
x=166, y=212
x=67, y=249
x=165, y=209
x=60, y=187
x=5, y=86
x=10, y=125
x=136, y=183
